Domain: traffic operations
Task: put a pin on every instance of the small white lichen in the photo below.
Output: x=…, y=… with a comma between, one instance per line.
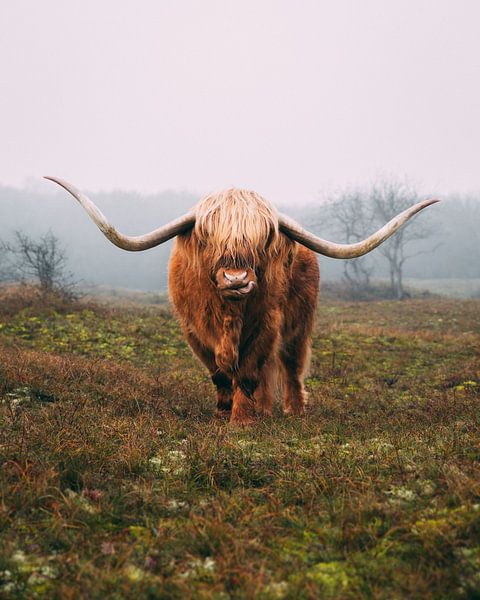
x=199, y=567
x=400, y=494
x=276, y=589
x=172, y=462
x=176, y=504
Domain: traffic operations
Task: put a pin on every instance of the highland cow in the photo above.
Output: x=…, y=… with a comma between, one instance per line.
x=244, y=283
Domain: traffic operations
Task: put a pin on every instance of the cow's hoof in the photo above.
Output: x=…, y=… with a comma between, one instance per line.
x=224, y=415
x=265, y=413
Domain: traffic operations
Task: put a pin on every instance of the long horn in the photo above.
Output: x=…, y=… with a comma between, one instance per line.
x=126, y=242
x=296, y=232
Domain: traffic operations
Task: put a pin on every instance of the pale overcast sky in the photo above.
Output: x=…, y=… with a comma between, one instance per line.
x=286, y=97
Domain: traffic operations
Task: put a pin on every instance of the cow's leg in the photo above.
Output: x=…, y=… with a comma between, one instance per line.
x=222, y=381
x=226, y=352
x=294, y=357
x=297, y=329
x=249, y=380
x=264, y=396
x=243, y=405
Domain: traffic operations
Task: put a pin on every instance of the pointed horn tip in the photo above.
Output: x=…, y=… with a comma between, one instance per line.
x=51, y=178
x=423, y=204
x=62, y=183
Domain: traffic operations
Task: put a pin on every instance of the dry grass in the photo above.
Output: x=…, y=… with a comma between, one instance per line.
x=116, y=481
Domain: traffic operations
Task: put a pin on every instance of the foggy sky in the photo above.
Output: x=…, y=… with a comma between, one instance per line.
x=288, y=98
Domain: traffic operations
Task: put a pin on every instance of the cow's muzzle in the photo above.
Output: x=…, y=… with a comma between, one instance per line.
x=236, y=283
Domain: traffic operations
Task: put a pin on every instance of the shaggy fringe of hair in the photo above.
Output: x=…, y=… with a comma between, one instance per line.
x=237, y=224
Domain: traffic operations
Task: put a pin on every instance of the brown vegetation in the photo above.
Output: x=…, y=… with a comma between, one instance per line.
x=116, y=483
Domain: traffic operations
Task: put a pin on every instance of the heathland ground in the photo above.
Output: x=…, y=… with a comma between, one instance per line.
x=117, y=481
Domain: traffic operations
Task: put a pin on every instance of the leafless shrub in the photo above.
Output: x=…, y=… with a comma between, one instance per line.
x=44, y=262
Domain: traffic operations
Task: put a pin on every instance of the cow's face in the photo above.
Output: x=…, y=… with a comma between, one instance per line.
x=235, y=238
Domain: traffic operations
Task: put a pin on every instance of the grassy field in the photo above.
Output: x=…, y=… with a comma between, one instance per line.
x=453, y=288
x=117, y=482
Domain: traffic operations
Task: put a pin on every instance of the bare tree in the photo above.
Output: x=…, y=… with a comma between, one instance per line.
x=386, y=199
x=349, y=216
x=354, y=214
x=43, y=261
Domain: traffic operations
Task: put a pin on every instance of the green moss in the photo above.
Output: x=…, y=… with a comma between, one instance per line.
x=117, y=478
x=333, y=577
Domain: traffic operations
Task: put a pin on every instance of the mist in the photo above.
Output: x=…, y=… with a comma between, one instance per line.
x=290, y=99
x=149, y=105
x=451, y=251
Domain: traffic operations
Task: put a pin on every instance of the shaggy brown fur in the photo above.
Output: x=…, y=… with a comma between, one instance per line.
x=244, y=341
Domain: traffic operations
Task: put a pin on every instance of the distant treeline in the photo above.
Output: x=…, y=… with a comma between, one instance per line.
x=455, y=235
